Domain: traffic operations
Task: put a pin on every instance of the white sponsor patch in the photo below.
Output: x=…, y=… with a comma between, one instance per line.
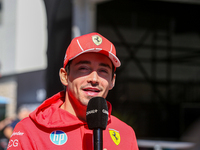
x=17, y=133
x=13, y=143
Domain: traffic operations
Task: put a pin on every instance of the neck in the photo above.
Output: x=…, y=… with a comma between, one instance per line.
x=74, y=107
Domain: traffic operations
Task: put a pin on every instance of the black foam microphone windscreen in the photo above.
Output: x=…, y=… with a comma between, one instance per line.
x=97, y=113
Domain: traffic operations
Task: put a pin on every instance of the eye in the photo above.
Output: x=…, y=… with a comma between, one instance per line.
x=82, y=68
x=104, y=70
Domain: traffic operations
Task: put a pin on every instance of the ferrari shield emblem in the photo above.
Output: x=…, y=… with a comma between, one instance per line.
x=115, y=136
x=97, y=39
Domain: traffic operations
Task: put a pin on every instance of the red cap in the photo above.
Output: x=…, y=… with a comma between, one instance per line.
x=93, y=42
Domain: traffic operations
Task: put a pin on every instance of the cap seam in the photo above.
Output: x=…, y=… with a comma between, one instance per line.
x=111, y=48
x=79, y=45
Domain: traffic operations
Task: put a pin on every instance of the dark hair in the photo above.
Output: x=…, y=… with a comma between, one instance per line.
x=67, y=68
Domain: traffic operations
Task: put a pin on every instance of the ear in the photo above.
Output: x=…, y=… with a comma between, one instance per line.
x=112, y=84
x=63, y=76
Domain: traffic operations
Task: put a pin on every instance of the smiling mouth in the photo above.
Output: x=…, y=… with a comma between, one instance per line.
x=91, y=90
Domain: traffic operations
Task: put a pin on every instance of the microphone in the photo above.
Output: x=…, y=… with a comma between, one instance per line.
x=97, y=119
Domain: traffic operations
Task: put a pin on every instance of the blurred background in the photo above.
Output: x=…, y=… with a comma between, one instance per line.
x=157, y=90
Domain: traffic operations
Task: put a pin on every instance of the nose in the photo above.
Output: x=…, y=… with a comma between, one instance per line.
x=93, y=78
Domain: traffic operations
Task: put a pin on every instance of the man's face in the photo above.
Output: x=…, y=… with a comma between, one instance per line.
x=90, y=76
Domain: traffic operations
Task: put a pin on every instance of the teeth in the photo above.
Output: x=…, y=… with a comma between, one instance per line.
x=91, y=90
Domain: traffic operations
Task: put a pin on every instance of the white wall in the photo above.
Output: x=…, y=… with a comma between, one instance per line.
x=23, y=39
x=7, y=36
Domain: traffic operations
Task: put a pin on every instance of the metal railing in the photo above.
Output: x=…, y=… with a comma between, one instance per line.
x=159, y=145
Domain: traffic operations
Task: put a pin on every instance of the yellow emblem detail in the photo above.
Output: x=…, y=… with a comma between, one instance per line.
x=97, y=39
x=115, y=136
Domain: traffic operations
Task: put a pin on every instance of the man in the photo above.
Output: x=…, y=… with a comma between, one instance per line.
x=22, y=113
x=60, y=122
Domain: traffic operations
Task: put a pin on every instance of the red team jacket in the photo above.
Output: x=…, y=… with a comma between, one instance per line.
x=51, y=128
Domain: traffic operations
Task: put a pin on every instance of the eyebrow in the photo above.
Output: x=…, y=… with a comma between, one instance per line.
x=83, y=62
x=105, y=65
x=88, y=62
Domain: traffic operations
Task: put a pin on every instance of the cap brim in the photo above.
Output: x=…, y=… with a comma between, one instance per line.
x=116, y=62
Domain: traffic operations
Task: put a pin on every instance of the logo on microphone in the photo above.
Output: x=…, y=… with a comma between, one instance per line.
x=58, y=137
x=105, y=111
x=115, y=136
x=91, y=112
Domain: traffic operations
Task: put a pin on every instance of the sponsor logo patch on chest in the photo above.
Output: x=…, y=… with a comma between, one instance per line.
x=58, y=137
x=115, y=136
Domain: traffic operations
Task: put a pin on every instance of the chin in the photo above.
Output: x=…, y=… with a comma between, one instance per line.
x=85, y=102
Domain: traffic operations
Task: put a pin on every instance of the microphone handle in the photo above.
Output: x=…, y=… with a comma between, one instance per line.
x=98, y=139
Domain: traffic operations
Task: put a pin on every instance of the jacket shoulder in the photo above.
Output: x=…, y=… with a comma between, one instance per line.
x=117, y=122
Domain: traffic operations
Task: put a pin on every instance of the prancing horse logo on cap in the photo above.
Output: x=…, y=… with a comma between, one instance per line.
x=97, y=39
